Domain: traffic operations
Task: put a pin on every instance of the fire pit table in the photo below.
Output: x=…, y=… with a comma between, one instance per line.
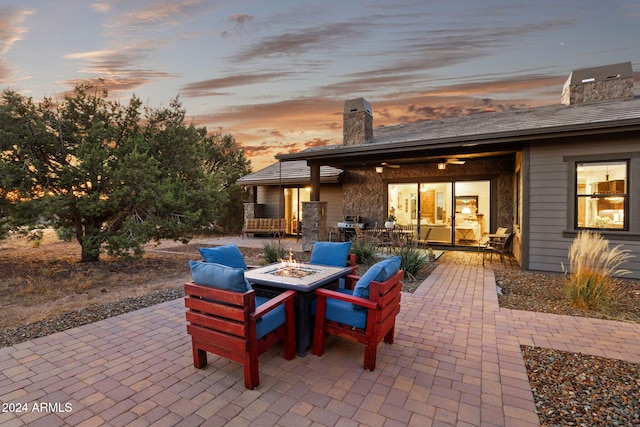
x=302, y=278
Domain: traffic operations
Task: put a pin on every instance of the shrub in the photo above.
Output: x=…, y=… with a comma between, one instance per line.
x=412, y=259
x=274, y=251
x=365, y=251
x=592, y=265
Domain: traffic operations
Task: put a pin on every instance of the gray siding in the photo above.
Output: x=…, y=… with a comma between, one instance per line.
x=333, y=195
x=550, y=204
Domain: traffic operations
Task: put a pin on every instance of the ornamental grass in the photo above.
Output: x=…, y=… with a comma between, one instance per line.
x=593, y=264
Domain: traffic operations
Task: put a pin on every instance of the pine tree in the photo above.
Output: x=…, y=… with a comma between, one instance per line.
x=117, y=176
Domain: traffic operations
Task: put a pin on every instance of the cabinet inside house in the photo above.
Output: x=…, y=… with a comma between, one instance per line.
x=607, y=207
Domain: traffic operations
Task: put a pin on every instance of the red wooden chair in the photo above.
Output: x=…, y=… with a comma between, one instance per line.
x=227, y=323
x=364, y=320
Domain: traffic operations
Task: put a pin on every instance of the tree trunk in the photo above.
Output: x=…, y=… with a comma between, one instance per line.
x=87, y=256
x=90, y=253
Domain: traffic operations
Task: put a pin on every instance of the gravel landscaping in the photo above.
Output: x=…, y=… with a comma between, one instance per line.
x=575, y=389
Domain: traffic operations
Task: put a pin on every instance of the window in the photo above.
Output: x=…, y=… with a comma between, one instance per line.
x=602, y=195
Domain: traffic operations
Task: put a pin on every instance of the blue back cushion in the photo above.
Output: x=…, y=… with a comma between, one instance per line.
x=219, y=276
x=378, y=272
x=228, y=255
x=330, y=253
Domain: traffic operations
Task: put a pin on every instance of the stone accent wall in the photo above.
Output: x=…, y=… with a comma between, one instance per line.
x=597, y=91
x=364, y=195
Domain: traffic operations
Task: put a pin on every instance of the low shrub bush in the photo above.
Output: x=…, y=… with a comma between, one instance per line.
x=274, y=251
x=365, y=251
x=412, y=259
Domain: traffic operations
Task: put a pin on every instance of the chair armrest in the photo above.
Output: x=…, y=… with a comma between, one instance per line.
x=263, y=309
x=350, y=280
x=363, y=302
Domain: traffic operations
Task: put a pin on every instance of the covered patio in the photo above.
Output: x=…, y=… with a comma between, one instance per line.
x=456, y=361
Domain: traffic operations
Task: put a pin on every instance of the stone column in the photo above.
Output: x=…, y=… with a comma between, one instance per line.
x=314, y=224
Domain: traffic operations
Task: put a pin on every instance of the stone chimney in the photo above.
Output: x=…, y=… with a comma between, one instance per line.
x=598, y=84
x=357, y=127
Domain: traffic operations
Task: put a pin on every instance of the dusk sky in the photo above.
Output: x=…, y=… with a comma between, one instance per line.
x=275, y=74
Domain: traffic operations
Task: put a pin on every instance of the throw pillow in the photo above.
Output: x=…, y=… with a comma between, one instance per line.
x=330, y=253
x=219, y=276
x=228, y=255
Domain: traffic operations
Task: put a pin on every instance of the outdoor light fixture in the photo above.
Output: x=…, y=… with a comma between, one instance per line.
x=379, y=169
x=442, y=166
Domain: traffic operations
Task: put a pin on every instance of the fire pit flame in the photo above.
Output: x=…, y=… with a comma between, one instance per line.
x=292, y=268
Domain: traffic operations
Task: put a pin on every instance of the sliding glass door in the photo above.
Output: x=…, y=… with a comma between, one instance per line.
x=442, y=213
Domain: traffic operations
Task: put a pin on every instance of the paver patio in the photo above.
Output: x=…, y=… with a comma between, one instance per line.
x=456, y=361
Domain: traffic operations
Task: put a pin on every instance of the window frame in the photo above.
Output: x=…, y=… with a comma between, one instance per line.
x=577, y=195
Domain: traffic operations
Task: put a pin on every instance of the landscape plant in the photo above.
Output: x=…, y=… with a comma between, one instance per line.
x=593, y=265
x=412, y=258
x=274, y=251
x=365, y=250
x=116, y=175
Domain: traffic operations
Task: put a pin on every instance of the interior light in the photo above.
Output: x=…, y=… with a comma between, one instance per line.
x=379, y=169
x=442, y=166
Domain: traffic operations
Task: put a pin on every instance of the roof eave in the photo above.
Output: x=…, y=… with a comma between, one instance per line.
x=479, y=140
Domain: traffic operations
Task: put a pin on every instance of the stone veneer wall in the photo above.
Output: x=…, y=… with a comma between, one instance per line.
x=357, y=128
x=597, y=91
x=365, y=190
x=314, y=224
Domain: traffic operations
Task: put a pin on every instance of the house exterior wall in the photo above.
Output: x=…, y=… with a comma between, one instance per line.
x=551, y=200
x=365, y=191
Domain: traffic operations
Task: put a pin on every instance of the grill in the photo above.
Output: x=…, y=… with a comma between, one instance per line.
x=347, y=227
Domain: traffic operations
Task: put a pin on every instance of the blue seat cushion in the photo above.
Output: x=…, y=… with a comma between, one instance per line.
x=228, y=255
x=330, y=253
x=219, y=276
x=379, y=272
x=269, y=321
x=342, y=312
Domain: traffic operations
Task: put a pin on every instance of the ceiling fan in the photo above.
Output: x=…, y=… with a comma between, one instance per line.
x=454, y=161
x=387, y=165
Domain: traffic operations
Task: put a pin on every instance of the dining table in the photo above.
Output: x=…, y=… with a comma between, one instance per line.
x=304, y=278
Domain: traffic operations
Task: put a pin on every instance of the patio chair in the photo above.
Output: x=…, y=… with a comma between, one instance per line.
x=226, y=318
x=424, y=241
x=484, y=240
x=499, y=244
x=365, y=313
